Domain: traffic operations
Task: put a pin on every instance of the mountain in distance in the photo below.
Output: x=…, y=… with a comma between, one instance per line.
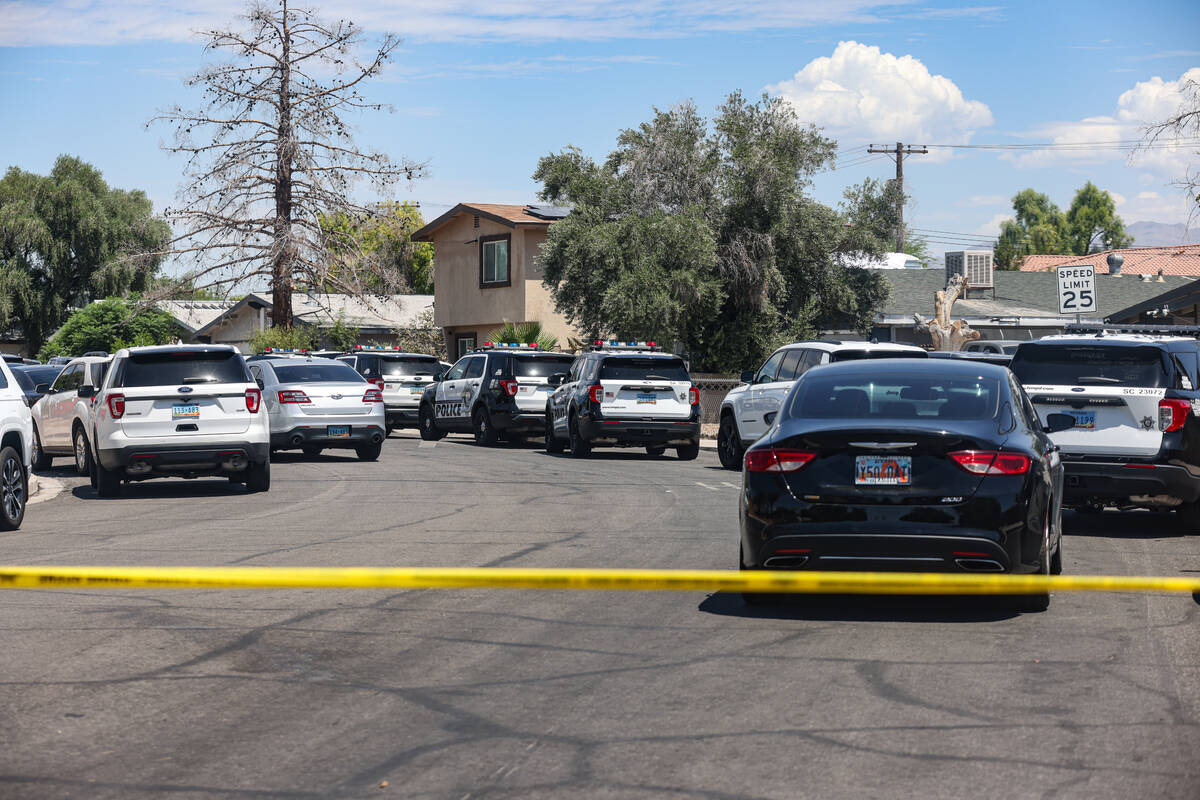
x=1160, y=234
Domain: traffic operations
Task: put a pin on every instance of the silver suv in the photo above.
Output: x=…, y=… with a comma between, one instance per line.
x=179, y=410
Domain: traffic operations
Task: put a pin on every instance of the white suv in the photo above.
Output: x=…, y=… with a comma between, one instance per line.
x=748, y=410
x=16, y=438
x=180, y=410
x=62, y=418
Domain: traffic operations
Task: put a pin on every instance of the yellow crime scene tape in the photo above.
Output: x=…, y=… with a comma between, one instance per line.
x=51, y=577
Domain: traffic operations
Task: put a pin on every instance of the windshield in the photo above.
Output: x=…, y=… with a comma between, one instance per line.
x=183, y=367
x=318, y=373
x=626, y=368
x=541, y=366
x=894, y=397
x=1090, y=365
x=859, y=355
x=29, y=378
x=407, y=365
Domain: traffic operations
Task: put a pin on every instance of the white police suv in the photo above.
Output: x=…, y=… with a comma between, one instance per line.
x=748, y=410
x=401, y=377
x=16, y=444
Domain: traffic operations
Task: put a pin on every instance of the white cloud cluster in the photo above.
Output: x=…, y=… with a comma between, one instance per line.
x=861, y=93
x=1147, y=103
x=65, y=22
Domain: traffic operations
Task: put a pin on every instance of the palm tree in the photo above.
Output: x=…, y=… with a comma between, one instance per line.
x=524, y=333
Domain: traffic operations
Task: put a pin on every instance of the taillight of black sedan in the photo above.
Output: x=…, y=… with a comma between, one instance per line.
x=904, y=465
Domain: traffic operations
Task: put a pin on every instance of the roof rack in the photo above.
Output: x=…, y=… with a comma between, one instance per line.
x=614, y=344
x=1147, y=330
x=508, y=346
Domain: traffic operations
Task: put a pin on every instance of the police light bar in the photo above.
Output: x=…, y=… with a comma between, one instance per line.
x=266, y=350
x=374, y=347
x=1146, y=329
x=509, y=345
x=614, y=344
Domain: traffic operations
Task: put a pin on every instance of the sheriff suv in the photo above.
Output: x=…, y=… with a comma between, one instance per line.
x=624, y=394
x=179, y=410
x=498, y=391
x=401, y=377
x=748, y=410
x=1133, y=396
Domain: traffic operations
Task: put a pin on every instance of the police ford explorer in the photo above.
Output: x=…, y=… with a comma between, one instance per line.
x=497, y=391
x=402, y=377
x=1134, y=398
x=624, y=394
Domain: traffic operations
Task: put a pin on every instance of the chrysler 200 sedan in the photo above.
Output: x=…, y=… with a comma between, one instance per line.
x=913, y=465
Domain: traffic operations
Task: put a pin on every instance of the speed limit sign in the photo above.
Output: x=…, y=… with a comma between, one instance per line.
x=1077, y=290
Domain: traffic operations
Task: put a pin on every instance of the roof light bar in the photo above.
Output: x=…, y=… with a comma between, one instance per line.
x=616, y=344
x=267, y=350
x=375, y=348
x=1149, y=330
x=509, y=346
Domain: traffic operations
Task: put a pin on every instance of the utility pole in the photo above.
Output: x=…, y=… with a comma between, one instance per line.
x=898, y=154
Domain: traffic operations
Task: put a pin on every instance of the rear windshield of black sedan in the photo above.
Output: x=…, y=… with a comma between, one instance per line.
x=1089, y=365
x=895, y=398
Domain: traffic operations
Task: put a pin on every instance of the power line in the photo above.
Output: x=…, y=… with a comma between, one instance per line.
x=1111, y=144
x=899, y=152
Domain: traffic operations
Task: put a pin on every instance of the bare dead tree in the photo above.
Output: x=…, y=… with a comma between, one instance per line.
x=270, y=152
x=947, y=334
x=1182, y=128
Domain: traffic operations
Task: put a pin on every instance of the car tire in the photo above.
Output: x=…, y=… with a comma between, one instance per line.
x=575, y=443
x=688, y=452
x=258, y=477
x=729, y=446
x=481, y=426
x=14, y=489
x=553, y=443
x=42, y=460
x=1189, y=516
x=429, y=428
x=108, y=481
x=655, y=450
x=83, y=451
x=311, y=451
x=387, y=430
x=369, y=452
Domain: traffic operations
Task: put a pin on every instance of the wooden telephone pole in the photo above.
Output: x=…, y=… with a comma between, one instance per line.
x=898, y=154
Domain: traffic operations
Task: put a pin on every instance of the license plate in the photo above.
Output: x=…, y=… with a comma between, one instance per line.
x=648, y=399
x=416, y=390
x=342, y=431
x=185, y=412
x=1085, y=420
x=883, y=470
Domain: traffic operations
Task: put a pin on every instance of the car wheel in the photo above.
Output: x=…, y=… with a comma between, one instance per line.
x=369, y=452
x=258, y=477
x=429, y=428
x=655, y=450
x=729, y=448
x=311, y=451
x=481, y=426
x=83, y=452
x=387, y=430
x=108, y=482
x=41, y=459
x=756, y=599
x=14, y=489
x=579, y=448
x=553, y=443
x=1189, y=516
x=688, y=452
x=1039, y=601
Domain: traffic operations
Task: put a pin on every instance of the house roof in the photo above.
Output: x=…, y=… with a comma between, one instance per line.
x=512, y=216
x=200, y=317
x=1018, y=294
x=1180, y=259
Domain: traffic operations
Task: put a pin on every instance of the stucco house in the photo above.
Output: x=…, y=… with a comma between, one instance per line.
x=487, y=271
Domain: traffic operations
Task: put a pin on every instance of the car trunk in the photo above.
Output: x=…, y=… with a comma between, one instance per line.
x=645, y=387
x=338, y=399
x=531, y=374
x=405, y=378
x=189, y=392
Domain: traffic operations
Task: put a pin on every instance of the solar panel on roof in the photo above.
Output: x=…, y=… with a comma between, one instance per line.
x=548, y=212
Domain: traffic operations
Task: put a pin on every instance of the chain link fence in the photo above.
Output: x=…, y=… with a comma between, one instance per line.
x=713, y=388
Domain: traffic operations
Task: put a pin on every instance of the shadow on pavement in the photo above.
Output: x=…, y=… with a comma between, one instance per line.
x=1133, y=524
x=860, y=608
x=167, y=489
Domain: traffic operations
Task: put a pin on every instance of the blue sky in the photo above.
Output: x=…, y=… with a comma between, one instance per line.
x=481, y=94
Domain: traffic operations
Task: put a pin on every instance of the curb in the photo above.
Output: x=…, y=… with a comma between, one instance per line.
x=42, y=489
x=708, y=444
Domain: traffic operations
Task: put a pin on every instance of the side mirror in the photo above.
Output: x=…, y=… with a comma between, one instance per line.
x=42, y=388
x=439, y=376
x=557, y=379
x=746, y=377
x=1059, y=422
x=86, y=390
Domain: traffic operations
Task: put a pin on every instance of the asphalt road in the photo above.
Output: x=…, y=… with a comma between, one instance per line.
x=521, y=694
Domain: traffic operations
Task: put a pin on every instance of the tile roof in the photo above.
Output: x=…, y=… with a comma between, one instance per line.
x=1023, y=294
x=378, y=313
x=510, y=213
x=1180, y=259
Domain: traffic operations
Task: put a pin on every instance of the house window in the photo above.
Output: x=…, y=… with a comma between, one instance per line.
x=494, y=261
x=464, y=343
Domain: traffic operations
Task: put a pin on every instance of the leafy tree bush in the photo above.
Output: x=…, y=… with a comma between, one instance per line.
x=301, y=337
x=109, y=325
x=380, y=242
x=422, y=336
x=1039, y=226
x=340, y=336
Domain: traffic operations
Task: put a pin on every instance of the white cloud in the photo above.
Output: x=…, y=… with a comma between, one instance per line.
x=992, y=226
x=1147, y=195
x=1146, y=103
x=1118, y=198
x=861, y=92
x=65, y=22
x=984, y=200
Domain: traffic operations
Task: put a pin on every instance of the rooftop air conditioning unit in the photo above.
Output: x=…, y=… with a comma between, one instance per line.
x=974, y=265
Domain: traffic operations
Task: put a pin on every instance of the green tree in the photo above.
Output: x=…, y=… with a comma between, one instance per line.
x=524, y=333
x=109, y=325
x=701, y=232
x=339, y=335
x=380, y=242
x=66, y=239
x=1092, y=222
x=422, y=336
x=301, y=337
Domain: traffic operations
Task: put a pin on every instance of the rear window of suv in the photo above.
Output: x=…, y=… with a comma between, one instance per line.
x=1090, y=365
x=541, y=366
x=401, y=365
x=181, y=368
x=859, y=355
x=625, y=368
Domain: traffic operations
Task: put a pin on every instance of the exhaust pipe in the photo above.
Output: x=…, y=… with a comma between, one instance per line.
x=297, y=440
x=235, y=464
x=786, y=561
x=376, y=438
x=138, y=468
x=979, y=564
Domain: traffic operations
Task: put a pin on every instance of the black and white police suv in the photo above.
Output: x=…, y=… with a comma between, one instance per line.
x=497, y=391
x=402, y=377
x=624, y=394
x=1134, y=394
x=748, y=410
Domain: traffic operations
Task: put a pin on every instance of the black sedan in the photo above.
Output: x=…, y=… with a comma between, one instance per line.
x=30, y=377
x=911, y=465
